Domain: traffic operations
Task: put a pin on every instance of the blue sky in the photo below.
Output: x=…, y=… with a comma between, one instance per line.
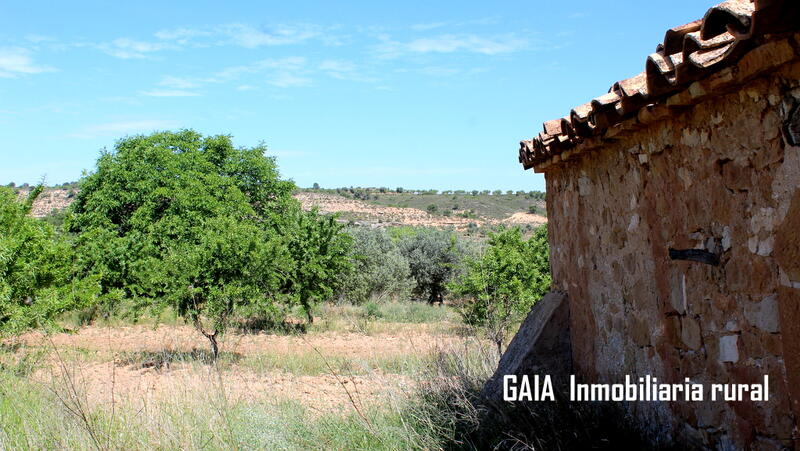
x=430, y=94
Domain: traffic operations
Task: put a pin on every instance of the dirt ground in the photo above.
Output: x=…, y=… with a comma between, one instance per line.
x=97, y=362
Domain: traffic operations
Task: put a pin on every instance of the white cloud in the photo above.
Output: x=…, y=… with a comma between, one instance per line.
x=283, y=72
x=16, y=61
x=337, y=66
x=344, y=70
x=288, y=80
x=123, y=128
x=179, y=82
x=38, y=38
x=181, y=35
x=439, y=71
x=126, y=48
x=292, y=63
x=169, y=93
x=250, y=37
x=428, y=26
x=450, y=43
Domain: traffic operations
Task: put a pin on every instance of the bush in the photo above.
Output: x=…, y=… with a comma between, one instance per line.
x=379, y=270
x=35, y=269
x=433, y=257
x=502, y=284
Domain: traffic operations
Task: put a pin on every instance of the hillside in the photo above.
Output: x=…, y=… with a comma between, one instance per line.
x=460, y=211
x=371, y=213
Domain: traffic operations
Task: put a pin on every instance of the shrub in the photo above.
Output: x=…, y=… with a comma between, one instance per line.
x=433, y=257
x=379, y=270
x=501, y=285
x=35, y=269
x=319, y=254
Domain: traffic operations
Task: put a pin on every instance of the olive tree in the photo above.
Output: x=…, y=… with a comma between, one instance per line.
x=433, y=259
x=379, y=269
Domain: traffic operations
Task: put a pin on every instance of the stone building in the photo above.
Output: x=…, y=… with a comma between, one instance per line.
x=674, y=221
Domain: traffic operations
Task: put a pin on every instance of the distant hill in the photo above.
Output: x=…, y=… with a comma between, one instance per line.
x=376, y=208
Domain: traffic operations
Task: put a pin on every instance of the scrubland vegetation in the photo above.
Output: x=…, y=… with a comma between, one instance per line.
x=186, y=301
x=497, y=204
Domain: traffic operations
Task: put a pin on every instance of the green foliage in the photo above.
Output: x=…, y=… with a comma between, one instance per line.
x=35, y=269
x=319, y=251
x=379, y=269
x=537, y=210
x=433, y=257
x=191, y=222
x=503, y=284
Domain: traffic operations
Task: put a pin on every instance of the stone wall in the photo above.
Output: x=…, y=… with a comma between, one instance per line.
x=721, y=176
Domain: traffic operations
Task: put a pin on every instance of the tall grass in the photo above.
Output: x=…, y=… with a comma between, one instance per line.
x=443, y=409
x=53, y=417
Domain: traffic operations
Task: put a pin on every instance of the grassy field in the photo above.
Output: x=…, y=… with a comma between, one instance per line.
x=350, y=382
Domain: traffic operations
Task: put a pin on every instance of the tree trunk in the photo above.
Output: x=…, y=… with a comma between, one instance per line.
x=214, y=346
x=307, y=307
x=212, y=338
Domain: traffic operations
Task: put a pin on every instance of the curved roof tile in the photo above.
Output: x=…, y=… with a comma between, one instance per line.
x=689, y=53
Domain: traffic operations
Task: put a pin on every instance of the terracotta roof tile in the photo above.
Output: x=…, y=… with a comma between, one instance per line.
x=690, y=53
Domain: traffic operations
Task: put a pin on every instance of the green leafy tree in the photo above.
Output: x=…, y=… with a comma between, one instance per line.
x=175, y=218
x=379, y=269
x=36, y=280
x=433, y=258
x=501, y=286
x=319, y=249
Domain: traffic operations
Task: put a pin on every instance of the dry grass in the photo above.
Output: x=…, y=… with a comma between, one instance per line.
x=144, y=387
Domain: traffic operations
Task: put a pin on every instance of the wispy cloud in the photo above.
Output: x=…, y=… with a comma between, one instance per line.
x=15, y=61
x=288, y=64
x=345, y=70
x=38, y=38
x=179, y=82
x=122, y=127
x=126, y=48
x=288, y=80
x=182, y=35
x=428, y=26
x=451, y=43
x=169, y=93
x=251, y=37
x=287, y=72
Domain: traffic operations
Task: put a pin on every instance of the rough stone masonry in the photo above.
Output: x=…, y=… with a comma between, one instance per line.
x=674, y=229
